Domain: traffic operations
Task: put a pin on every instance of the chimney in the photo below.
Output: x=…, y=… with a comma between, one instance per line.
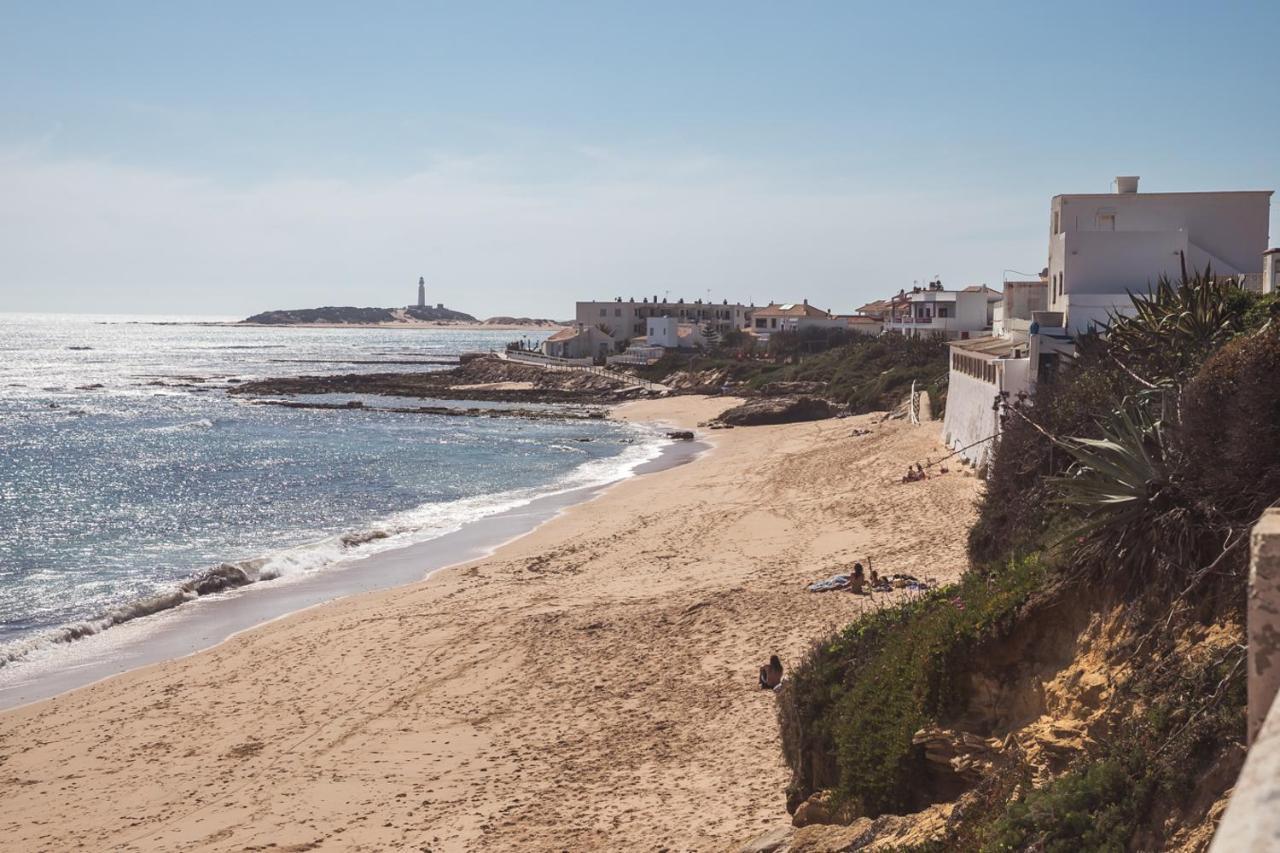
x=1126, y=184
x=806, y=302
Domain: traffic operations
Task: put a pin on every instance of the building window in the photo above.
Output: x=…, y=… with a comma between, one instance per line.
x=1106, y=222
x=604, y=312
x=617, y=312
x=1056, y=222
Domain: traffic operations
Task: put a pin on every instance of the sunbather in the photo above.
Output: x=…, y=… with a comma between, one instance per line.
x=858, y=581
x=771, y=673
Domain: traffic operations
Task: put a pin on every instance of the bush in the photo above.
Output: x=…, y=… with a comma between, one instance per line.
x=1230, y=412
x=850, y=709
x=1089, y=809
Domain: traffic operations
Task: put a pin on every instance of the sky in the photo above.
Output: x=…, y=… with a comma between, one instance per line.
x=228, y=158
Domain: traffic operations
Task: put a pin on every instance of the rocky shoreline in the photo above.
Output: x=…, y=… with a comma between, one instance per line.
x=559, y=414
x=487, y=378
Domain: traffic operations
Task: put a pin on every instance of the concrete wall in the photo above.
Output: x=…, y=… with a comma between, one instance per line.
x=1022, y=298
x=970, y=416
x=1252, y=822
x=1271, y=273
x=1114, y=261
x=973, y=312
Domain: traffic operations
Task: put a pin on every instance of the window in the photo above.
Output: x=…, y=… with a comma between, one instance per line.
x=617, y=312
x=942, y=311
x=1106, y=222
x=604, y=312
x=1056, y=222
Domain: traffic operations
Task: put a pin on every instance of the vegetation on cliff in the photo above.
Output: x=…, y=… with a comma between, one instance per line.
x=863, y=372
x=1090, y=665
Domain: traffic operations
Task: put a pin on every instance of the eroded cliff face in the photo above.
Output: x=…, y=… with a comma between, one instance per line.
x=1057, y=693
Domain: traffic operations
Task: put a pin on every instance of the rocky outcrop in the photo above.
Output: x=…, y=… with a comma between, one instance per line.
x=484, y=378
x=535, y=322
x=347, y=314
x=778, y=410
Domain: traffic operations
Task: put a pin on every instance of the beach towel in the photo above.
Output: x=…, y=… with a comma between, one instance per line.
x=833, y=582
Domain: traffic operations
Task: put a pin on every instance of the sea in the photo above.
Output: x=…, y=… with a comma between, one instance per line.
x=134, y=488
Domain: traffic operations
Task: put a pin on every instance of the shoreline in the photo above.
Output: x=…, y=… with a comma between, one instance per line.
x=588, y=685
x=421, y=324
x=206, y=621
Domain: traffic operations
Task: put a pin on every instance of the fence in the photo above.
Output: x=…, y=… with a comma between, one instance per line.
x=579, y=365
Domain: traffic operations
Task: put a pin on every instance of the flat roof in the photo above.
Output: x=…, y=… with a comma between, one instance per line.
x=1141, y=195
x=993, y=346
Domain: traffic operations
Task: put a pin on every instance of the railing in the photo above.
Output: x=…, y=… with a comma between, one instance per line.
x=582, y=365
x=1252, y=821
x=543, y=360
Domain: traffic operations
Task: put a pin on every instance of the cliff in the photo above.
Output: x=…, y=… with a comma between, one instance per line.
x=1083, y=686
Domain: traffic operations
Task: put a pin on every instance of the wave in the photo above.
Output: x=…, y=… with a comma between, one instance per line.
x=186, y=426
x=419, y=524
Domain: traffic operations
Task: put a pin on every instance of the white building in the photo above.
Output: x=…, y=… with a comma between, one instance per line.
x=1022, y=299
x=1102, y=246
x=625, y=320
x=1271, y=271
x=792, y=317
x=578, y=341
x=934, y=310
x=662, y=332
x=982, y=369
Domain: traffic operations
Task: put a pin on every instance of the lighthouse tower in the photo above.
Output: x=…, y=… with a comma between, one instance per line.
x=422, y=292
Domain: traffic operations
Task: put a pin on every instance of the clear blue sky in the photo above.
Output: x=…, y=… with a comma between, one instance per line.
x=232, y=157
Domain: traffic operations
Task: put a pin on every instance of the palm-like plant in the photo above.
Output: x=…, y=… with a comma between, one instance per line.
x=1174, y=327
x=1124, y=488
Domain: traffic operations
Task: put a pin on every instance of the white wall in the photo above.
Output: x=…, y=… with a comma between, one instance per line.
x=1231, y=226
x=969, y=416
x=662, y=332
x=1022, y=298
x=972, y=311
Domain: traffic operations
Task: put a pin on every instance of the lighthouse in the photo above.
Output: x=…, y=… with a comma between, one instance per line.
x=422, y=292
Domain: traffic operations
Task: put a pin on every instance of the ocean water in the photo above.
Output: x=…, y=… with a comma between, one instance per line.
x=130, y=482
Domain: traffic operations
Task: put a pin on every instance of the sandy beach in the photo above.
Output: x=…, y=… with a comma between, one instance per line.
x=589, y=686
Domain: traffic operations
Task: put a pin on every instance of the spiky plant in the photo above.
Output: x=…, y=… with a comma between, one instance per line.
x=1173, y=328
x=1123, y=488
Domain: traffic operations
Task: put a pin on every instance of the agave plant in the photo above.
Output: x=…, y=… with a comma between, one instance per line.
x=1175, y=326
x=1123, y=489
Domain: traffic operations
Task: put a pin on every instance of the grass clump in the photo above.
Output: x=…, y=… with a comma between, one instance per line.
x=852, y=706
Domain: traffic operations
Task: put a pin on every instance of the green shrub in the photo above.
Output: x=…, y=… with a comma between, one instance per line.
x=852, y=706
x=1092, y=809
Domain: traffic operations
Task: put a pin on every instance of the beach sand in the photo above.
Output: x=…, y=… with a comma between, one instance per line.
x=591, y=685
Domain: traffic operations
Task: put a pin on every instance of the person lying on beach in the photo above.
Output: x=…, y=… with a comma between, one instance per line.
x=771, y=674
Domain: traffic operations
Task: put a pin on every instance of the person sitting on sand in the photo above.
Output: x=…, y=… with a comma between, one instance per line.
x=771, y=673
x=857, y=581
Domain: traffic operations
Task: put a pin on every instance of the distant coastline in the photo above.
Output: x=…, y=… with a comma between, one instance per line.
x=413, y=317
